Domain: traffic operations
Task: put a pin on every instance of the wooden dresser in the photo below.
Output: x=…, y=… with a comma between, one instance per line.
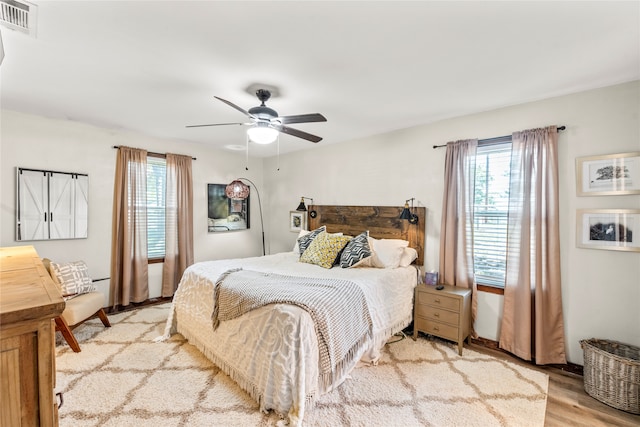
x=444, y=313
x=29, y=301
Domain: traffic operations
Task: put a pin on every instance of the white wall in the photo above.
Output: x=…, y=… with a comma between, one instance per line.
x=61, y=145
x=601, y=289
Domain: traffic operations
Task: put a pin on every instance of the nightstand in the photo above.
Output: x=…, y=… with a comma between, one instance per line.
x=445, y=313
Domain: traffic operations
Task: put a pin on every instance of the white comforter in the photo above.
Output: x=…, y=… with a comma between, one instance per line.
x=272, y=352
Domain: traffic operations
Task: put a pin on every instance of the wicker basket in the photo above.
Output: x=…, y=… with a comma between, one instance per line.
x=612, y=373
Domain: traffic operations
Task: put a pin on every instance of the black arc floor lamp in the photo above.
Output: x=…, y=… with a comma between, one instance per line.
x=239, y=190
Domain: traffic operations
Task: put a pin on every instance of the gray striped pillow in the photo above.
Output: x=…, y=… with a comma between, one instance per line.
x=356, y=251
x=73, y=277
x=305, y=241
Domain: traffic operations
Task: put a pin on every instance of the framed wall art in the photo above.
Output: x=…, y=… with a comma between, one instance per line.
x=225, y=214
x=608, y=175
x=611, y=229
x=297, y=220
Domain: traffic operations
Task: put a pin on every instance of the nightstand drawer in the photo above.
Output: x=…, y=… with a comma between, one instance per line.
x=434, y=313
x=439, y=300
x=436, y=328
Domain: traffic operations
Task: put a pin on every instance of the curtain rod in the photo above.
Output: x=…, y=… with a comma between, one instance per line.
x=497, y=137
x=153, y=154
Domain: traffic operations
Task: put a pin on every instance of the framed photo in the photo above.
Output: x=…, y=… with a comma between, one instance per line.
x=611, y=229
x=431, y=278
x=223, y=213
x=297, y=220
x=608, y=175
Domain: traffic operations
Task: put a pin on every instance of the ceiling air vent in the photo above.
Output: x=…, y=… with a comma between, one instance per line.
x=19, y=15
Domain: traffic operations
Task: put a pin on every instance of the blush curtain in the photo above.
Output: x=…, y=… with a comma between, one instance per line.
x=129, y=264
x=456, y=239
x=178, y=222
x=532, y=323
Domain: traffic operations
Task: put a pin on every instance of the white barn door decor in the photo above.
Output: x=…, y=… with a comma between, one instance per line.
x=51, y=205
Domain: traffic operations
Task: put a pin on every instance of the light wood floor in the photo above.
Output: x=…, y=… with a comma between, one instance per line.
x=567, y=402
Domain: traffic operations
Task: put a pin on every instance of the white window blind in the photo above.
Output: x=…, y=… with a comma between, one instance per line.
x=156, y=189
x=491, y=208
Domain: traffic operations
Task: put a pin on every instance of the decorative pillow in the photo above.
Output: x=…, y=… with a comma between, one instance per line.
x=73, y=278
x=296, y=247
x=387, y=252
x=325, y=249
x=305, y=241
x=408, y=256
x=357, y=252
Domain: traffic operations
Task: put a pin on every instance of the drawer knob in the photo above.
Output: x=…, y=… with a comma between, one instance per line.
x=436, y=314
x=437, y=300
x=435, y=328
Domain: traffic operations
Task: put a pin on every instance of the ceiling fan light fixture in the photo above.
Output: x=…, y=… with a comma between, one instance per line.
x=262, y=134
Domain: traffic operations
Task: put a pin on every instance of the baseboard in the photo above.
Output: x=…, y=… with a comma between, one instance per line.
x=135, y=305
x=493, y=345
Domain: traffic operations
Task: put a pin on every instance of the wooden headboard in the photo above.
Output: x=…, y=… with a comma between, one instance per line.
x=383, y=222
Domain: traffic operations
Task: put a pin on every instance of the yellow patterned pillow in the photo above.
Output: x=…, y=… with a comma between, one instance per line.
x=325, y=249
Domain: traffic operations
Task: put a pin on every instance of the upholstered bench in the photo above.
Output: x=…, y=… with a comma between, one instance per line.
x=82, y=302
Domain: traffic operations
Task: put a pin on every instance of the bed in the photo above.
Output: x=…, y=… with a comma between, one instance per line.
x=276, y=352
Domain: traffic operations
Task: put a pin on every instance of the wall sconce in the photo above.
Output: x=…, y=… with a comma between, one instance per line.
x=301, y=206
x=408, y=214
x=239, y=190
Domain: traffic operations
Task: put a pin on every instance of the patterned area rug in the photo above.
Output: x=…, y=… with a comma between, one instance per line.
x=123, y=378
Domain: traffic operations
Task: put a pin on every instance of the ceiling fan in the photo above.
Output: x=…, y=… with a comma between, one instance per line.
x=265, y=122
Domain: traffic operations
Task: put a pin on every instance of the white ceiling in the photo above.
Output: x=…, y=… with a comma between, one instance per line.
x=370, y=67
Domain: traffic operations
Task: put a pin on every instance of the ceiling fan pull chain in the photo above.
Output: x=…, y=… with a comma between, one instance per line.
x=246, y=159
x=278, y=161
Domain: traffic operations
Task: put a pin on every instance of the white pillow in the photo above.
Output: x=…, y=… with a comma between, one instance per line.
x=408, y=256
x=296, y=248
x=387, y=252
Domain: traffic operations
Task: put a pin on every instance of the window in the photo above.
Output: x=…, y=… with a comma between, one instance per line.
x=156, y=189
x=491, y=208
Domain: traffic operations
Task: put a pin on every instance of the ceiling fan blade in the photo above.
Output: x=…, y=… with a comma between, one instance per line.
x=298, y=133
x=301, y=118
x=232, y=105
x=218, y=124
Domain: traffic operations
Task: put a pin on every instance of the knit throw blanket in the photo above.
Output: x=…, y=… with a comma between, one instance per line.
x=338, y=308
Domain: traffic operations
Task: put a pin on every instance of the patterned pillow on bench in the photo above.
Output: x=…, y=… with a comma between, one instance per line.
x=73, y=278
